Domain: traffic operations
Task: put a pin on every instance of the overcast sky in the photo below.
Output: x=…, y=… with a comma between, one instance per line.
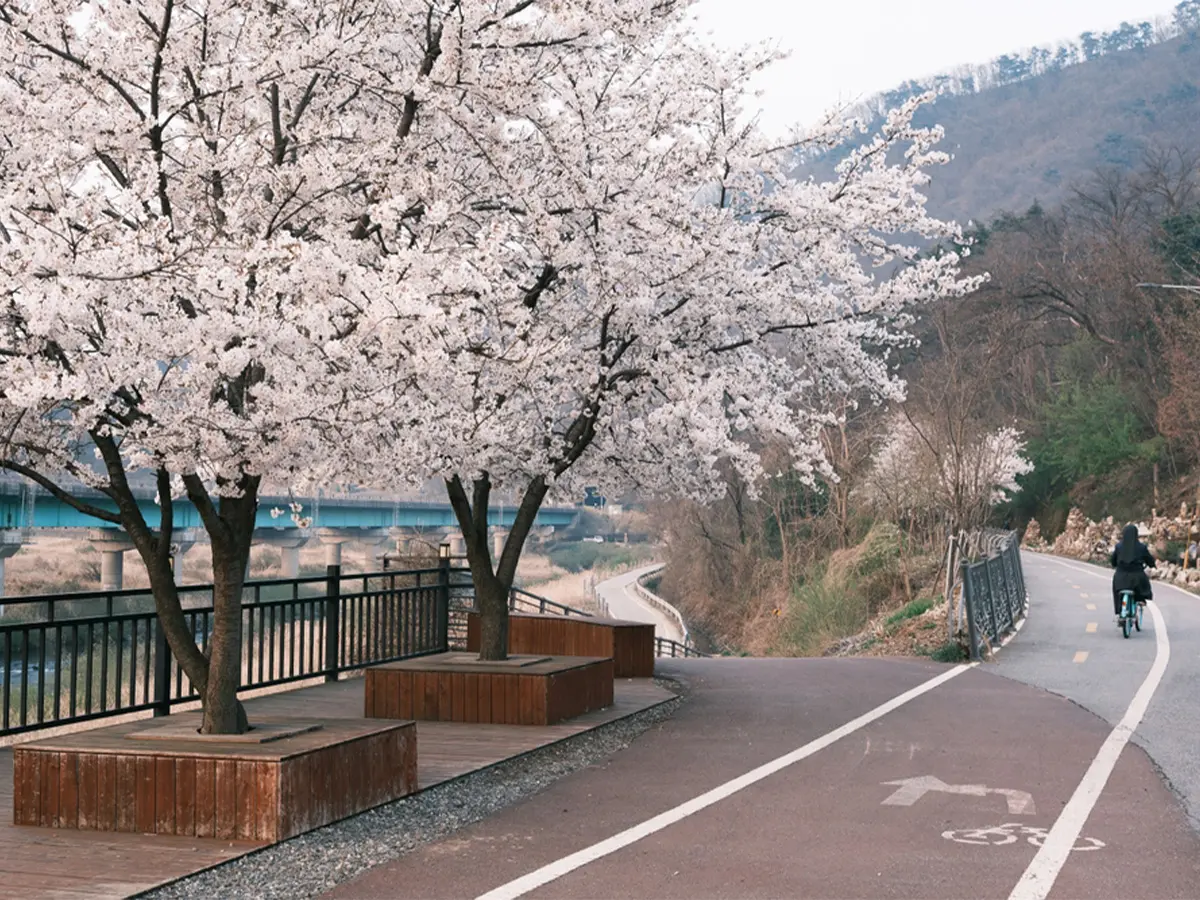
x=846, y=50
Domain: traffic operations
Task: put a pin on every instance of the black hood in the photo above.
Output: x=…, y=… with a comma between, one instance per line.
x=1127, y=550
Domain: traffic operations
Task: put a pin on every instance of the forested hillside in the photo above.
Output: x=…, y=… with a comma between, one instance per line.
x=1024, y=127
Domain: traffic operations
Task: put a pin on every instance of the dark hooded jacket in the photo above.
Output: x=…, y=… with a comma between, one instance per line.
x=1131, y=555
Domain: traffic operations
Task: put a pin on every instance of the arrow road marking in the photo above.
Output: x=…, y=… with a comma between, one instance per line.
x=1020, y=803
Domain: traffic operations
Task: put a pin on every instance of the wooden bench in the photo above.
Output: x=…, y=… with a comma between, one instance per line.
x=630, y=645
x=109, y=779
x=457, y=687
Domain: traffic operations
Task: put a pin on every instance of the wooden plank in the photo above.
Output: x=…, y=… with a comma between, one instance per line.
x=470, y=697
x=68, y=790
x=89, y=787
x=206, y=798
x=27, y=780
x=225, y=778
x=458, y=694
x=444, y=704
x=405, y=694
x=185, y=796
x=526, y=685
x=48, y=811
x=483, y=706
x=512, y=700
x=499, y=699
x=126, y=787
x=145, y=816
x=246, y=790
x=106, y=793
x=267, y=806
x=164, y=795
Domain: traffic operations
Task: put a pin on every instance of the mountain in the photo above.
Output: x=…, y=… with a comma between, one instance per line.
x=1024, y=128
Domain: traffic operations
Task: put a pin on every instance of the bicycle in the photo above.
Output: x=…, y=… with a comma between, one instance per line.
x=1131, y=613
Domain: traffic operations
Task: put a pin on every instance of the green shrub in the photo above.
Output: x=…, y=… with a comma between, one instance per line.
x=949, y=653
x=911, y=610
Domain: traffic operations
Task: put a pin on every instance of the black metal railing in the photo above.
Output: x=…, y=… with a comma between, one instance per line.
x=994, y=592
x=73, y=657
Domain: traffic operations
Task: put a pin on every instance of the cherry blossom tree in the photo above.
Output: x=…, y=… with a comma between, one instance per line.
x=183, y=192
x=954, y=476
x=623, y=285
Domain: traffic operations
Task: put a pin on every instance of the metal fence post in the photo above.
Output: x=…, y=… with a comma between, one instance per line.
x=443, y=594
x=162, y=671
x=333, y=589
x=969, y=603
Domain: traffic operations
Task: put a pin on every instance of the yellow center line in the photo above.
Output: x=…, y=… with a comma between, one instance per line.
x=1092, y=606
x=1091, y=627
x=1081, y=656
x=1084, y=596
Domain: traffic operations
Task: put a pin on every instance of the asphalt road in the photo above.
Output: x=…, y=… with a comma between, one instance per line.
x=832, y=778
x=623, y=603
x=1100, y=670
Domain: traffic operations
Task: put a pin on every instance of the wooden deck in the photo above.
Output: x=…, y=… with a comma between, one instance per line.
x=73, y=865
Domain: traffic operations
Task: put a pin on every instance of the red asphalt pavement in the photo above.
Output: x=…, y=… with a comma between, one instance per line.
x=820, y=828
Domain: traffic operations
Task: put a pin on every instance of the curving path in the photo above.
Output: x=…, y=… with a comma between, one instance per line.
x=1072, y=646
x=624, y=604
x=833, y=778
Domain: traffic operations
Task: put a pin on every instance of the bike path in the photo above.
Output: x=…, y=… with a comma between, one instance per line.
x=996, y=760
x=1101, y=670
x=624, y=604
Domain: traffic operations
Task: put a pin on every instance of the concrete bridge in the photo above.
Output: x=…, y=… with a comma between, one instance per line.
x=365, y=518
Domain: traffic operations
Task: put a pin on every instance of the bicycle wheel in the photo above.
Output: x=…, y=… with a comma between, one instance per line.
x=1125, y=622
x=1137, y=622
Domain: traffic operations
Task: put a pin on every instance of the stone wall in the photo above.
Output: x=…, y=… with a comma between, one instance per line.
x=1093, y=541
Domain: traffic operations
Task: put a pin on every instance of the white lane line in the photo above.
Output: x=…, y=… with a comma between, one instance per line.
x=557, y=869
x=1039, y=878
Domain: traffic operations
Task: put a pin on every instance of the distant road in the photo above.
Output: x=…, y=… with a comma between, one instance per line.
x=623, y=603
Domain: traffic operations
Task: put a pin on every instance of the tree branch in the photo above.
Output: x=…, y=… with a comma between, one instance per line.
x=59, y=493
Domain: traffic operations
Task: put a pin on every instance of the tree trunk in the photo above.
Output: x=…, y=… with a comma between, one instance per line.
x=493, y=581
x=492, y=599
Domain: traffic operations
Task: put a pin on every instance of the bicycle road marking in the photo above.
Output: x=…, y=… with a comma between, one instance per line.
x=1009, y=833
x=557, y=869
x=1038, y=879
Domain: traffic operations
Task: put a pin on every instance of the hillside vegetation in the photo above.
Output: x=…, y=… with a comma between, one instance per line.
x=1027, y=126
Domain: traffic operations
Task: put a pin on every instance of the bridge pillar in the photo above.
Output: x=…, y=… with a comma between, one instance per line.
x=458, y=544
x=333, y=539
x=10, y=543
x=112, y=544
x=183, y=540
x=289, y=541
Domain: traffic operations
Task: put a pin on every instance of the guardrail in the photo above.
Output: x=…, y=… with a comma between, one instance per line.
x=661, y=605
x=674, y=649
x=994, y=592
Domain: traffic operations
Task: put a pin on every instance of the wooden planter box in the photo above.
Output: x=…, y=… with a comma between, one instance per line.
x=630, y=645
x=457, y=687
x=175, y=783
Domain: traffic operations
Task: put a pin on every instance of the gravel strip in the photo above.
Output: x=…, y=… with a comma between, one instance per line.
x=313, y=863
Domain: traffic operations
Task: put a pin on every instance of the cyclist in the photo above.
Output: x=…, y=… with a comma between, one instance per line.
x=1130, y=558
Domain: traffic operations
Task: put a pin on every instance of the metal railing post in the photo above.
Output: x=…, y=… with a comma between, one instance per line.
x=968, y=602
x=443, y=594
x=162, y=671
x=333, y=589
